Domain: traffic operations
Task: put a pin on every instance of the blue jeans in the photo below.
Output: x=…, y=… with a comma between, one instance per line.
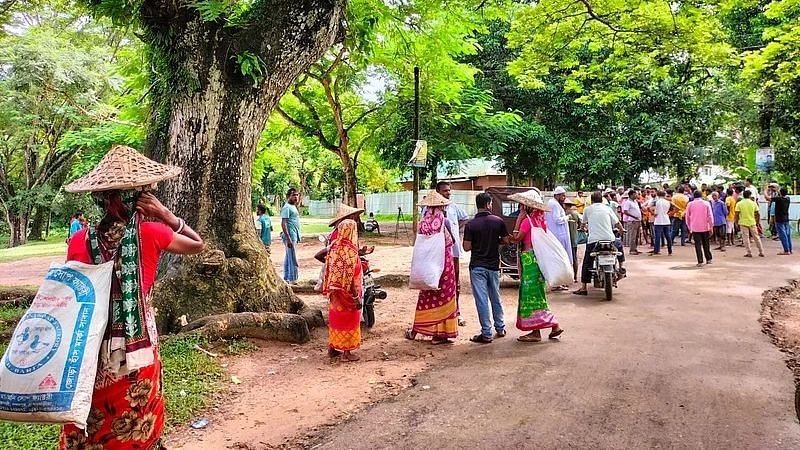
x=290, y=269
x=679, y=225
x=485, y=287
x=662, y=230
x=785, y=235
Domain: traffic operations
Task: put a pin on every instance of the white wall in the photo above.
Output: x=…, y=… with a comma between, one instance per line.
x=387, y=203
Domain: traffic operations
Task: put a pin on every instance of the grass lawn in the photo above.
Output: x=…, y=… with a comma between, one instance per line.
x=190, y=380
x=53, y=246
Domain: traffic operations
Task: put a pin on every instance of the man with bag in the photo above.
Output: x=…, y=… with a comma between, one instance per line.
x=601, y=222
x=483, y=236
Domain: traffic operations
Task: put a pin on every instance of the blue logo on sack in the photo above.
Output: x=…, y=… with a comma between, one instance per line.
x=36, y=340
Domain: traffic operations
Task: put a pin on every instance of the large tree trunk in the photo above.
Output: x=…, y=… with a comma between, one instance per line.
x=38, y=224
x=212, y=134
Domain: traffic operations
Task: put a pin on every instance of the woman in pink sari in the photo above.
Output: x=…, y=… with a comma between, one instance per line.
x=437, y=313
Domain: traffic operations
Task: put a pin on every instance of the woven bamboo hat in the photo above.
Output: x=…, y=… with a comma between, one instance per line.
x=532, y=199
x=434, y=199
x=123, y=168
x=345, y=212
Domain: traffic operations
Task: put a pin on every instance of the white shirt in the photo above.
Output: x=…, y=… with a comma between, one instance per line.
x=454, y=215
x=662, y=208
x=753, y=193
x=601, y=220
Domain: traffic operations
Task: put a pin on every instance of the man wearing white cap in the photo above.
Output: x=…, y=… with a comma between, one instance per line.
x=558, y=221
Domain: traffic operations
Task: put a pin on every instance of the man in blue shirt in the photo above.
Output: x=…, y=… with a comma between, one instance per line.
x=76, y=224
x=720, y=212
x=265, y=232
x=290, y=224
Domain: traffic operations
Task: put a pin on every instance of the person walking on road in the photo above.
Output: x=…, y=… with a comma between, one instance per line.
x=784, y=229
x=456, y=217
x=720, y=212
x=265, y=232
x=662, y=226
x=342, y=285
x=533, y=311
x=730, y=220
x=747, y=217
x=558, y=224
x=290, y=235
x=680, y=201
x=700, y=222
x=483, y=236
x=632, y=218
x=436, y=314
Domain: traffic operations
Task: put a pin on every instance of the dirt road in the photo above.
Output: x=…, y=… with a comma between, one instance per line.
x=677, y=360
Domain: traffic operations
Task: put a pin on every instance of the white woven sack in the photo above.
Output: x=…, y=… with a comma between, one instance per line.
x=47, y=373
x=552, y=258
x=427, y=261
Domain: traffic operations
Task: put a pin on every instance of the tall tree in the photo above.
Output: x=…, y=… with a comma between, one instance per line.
x=219, y=68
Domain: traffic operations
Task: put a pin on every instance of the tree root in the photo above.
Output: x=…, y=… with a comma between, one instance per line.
x=285, y=327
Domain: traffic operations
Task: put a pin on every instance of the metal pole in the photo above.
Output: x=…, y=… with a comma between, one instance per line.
x=415, y=195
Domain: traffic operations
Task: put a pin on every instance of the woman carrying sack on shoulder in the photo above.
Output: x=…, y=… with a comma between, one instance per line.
x=342, y=285
x=437, y=312
x=127, y=403
x=533, y=311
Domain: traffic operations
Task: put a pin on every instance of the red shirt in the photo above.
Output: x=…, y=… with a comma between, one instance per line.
x=154, y=236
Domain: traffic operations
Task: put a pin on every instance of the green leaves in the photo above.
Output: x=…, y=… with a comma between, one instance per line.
x=252, y=66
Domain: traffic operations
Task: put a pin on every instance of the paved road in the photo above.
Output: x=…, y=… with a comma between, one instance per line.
x=677, y=360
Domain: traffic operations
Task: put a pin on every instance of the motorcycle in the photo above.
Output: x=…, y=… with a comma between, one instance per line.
x=371, y=290
x=606, y=271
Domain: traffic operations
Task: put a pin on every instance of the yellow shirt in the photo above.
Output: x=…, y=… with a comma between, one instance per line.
x=747, y=212
x=681, y=202
x=730, y=202
x=580, y=204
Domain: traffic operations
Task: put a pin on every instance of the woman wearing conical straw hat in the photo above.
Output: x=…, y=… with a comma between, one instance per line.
x=436, y=314
x=127, y=403
x=533, y=311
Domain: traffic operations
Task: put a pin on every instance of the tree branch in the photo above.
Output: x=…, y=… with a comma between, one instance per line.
x=362, y=116
x=307, y=129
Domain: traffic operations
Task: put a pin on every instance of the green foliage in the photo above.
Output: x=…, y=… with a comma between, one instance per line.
x=252, y=66
x=29, y=436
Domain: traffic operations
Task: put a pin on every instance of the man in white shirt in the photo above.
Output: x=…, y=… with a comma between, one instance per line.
x=601, y=221
x=632, y=218
x=456, y=218
x=662, y=224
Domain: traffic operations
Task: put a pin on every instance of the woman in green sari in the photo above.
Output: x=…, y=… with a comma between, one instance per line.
x=533, y=311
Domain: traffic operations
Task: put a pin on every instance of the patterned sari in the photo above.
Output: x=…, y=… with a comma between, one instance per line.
x=437, y=313
x=533, y=311
x=342, y=285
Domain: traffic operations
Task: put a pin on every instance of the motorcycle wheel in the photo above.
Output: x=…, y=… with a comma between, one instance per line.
x=380, y=295
x=608, y=284
x=369, y=315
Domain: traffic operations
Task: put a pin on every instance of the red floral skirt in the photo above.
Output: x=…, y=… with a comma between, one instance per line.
x=127, y=413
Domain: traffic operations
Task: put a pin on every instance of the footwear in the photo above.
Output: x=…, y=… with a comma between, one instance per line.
x=634, y=253
x=500, y=334
x=699, y=265
x=761, y=255
x=410, y=334
x=581, y=292
x=349, y=357
x=555, y=333
x=461, y=322
x=440, y=341
x=708, y=262
x=531, y=337
x=784, y=253
x=332, y=352
x=748, y=255
x=655, y=253
x=481, y=339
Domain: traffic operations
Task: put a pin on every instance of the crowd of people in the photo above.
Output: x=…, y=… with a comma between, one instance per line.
x=633, y=217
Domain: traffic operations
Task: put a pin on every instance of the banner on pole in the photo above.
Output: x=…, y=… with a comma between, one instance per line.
x=420, y=156
x=765, y=159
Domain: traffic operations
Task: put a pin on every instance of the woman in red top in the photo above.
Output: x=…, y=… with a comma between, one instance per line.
x=127, y=403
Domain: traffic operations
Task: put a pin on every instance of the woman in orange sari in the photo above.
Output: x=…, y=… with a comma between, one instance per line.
x=437, y=312
x=342, y=286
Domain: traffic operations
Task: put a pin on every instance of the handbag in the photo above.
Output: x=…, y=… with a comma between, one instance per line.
x=427, y=261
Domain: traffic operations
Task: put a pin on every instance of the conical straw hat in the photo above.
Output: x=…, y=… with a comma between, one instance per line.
x=123, y=168
x=345, y=211
x=434, y=199
x=532, y=199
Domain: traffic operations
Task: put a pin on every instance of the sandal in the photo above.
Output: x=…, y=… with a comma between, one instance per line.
x=480, y=339
x=410, y=334
x=580, y=292
x=440, y=341
x=332, y=352
x=349, y=357
x=530, y=338
x=500, y=334
x=555, y=333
